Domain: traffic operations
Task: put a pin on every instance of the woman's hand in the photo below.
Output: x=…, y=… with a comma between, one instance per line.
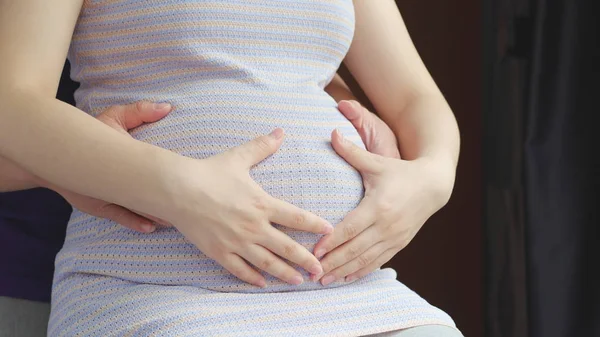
x=228, y=215
x=399, y=197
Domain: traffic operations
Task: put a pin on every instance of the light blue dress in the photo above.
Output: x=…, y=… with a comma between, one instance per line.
x=234, y=70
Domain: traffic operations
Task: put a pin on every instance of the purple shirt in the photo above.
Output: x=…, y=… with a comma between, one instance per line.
x=32, y=231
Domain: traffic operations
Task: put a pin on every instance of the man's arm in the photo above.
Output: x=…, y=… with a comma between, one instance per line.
x=339, y=90
x=14, y=178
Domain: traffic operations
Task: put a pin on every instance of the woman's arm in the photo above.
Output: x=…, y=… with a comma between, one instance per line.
x=400, y=195
x=227, y=216
x=388, y=68
x=54, y=140
x=14, y=178
x=119, y=117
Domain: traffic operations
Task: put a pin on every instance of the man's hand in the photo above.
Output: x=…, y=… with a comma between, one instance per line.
x=377, y=136
x=121, y=118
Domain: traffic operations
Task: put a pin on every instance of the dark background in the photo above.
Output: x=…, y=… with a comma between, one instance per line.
x=516, y=252
x=444, y=262
x=541, y=173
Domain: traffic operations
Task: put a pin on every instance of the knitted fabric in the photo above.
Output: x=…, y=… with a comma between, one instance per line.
x=234, y=70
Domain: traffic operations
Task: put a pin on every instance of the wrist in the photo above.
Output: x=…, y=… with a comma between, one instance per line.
x=173, y=177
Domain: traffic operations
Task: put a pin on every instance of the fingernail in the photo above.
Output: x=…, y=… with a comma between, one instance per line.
x=297, y=280
x=342, y=138
x=148, y=228
x=277, y=133
x=319, y=253
x=162, y=106
x=327, y=279
x=262, y=284
x=316, y=269
x=350, y=278
x=328, y=228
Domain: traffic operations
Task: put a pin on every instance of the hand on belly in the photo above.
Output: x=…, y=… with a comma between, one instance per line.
x=237, y=214
x=263, y=213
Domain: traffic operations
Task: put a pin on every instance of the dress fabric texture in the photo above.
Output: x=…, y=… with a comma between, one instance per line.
x=234, y=70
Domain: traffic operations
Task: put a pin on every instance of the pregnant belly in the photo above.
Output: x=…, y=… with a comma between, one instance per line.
x=305, y=171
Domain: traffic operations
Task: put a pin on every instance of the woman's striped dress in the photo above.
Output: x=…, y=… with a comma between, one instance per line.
x=234, y=69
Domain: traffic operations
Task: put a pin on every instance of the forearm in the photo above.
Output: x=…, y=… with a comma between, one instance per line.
x=72, y=150
x=426, y=128
x=387, y=66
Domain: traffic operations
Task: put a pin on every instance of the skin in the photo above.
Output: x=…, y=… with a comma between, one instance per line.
x=58, y=144
x=121, y=118
x=377, y=136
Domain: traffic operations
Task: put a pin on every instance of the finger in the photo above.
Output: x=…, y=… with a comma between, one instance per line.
x=258, y=149
x=126, y=218
x=130, y=116
x=377, y=263
x=357, y=115
x=144, y=112
x=282, y=245
x=267, y=261
x=160, y=221
x=288, y=215
x=364, y=121
x=240, y=269
x=355, y=222
x=359, y=158
x=350, y=250
x=361, y=261
x=155, y=219
x=353, y=111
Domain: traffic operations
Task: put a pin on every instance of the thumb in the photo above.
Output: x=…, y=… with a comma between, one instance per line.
x=359, y=158
x=126, y=218
x=126, y=117
x=258, y=149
